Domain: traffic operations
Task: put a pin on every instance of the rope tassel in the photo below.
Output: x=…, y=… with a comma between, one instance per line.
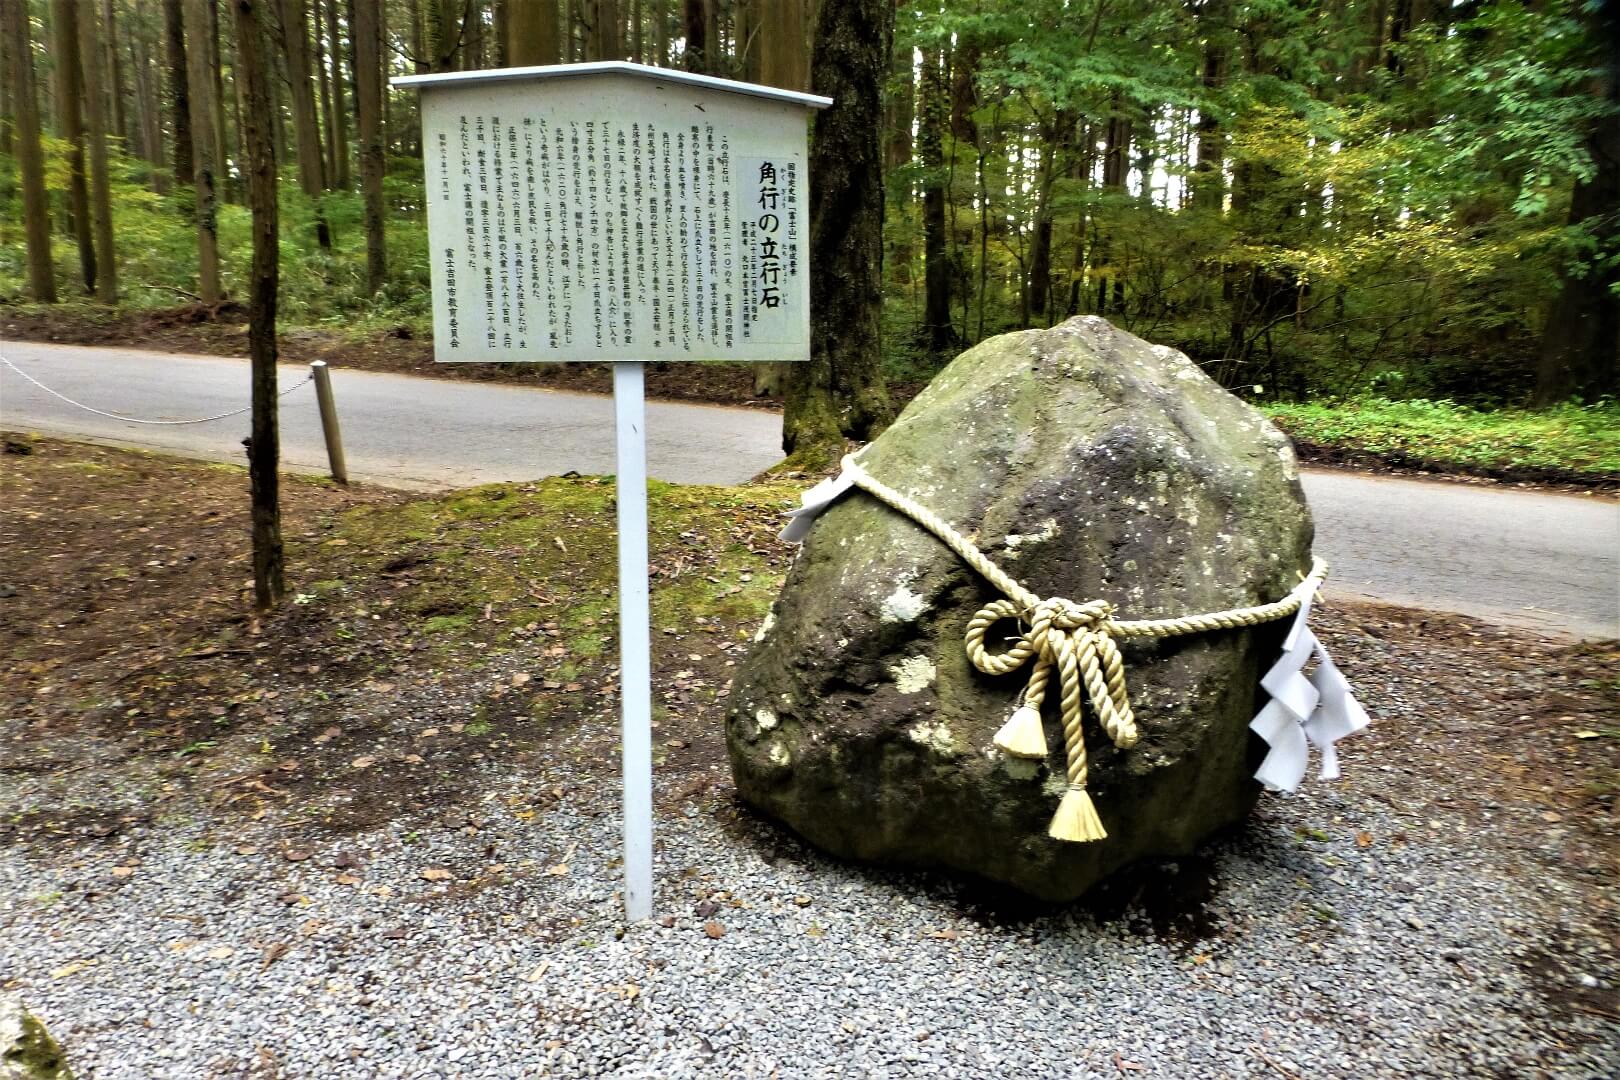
x=1076, y=818
x=1023, y=736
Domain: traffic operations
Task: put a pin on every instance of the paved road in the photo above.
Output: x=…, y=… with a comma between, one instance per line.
x=1527, y=558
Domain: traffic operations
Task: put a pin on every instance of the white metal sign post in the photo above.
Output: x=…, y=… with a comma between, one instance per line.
x=620, y=213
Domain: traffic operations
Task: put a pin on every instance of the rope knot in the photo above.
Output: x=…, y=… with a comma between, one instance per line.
x=1065, y=614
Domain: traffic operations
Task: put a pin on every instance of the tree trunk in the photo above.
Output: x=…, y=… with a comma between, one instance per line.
x=115, y=72
x=340, y=110
x=216, y=112
x=205, y=169
x=323, y=79
x=179, y=91
x=259, y=166
x=1580, y=348
x=1117, y=143
x=1208, y=181
x=1038, y=282
x=30, y=154
x=7, y=117
x=295, y=33
x=933, y=107
x=151, y=113
x=607, y=37
x=70, y=126
x=840, y=391
x=367, y=34
x=534, y=32
x=696, y=57
x=96, y=139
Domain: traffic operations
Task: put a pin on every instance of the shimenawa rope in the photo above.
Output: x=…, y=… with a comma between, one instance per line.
x=1075, y=639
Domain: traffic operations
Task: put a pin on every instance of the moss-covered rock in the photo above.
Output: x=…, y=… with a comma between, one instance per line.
x=1089, y=464
x=27, y=1051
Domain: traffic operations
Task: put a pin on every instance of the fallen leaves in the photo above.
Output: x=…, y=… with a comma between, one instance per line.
x=436, y=873
x=365, y=761
x=714, y=930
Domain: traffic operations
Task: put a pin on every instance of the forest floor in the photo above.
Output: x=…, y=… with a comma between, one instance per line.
x=1422, y=440
x=443, y=677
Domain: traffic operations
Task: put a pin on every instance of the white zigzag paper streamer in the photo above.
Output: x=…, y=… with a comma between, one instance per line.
x=1304, y=712
x=813, y=502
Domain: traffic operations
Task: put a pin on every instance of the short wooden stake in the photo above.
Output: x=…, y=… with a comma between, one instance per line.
x=329, y=420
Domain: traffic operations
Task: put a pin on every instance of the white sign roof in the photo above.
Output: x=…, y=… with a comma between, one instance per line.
x=614, y=67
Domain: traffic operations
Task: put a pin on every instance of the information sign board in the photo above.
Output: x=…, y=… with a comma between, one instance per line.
x=616, y=212
x=628, y=213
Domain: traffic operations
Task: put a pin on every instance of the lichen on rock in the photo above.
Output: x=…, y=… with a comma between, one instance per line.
x=27, y=1051
x=1089, y=464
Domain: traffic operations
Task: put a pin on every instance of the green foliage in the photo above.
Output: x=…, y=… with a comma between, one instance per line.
x=1569, y=438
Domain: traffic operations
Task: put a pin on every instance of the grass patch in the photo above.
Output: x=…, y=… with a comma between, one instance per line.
x=1578, y=440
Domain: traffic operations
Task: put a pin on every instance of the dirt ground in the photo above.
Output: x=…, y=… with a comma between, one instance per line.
x=425, y=634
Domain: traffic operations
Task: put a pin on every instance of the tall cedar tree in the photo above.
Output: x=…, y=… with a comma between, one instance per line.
x=70, y=125
x=30, y=155
x=367, y=33
x=295, y=34
x=95, y=111
x=204, y=166
x=1580, y=348
x=840, y=391
x=174, y=29
x=259, y=163
x=533, y=28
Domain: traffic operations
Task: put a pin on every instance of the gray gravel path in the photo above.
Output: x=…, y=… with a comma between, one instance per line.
x=1314, y=957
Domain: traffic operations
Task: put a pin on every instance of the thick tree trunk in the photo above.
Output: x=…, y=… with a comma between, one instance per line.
x=534, y=32
x=179, y=91
x=340, y=109
x=1580, y=348
x=840, y=391
x=70, y=126
x=936, y=333
x=30, y=155
x=259, y=166
x=695, y=27
x=96, y=140
x=367, y=33
x=205, y=169
x=606, y=40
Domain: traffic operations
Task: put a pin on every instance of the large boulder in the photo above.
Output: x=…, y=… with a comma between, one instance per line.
x=1088, y=464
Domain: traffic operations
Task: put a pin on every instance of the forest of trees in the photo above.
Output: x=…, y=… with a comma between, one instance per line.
x=1403, y=197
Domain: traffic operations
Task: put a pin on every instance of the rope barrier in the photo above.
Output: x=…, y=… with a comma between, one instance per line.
x=1078, y=640
x=137, y=420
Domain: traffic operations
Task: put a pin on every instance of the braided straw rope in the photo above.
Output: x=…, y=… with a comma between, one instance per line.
x=1075, y=639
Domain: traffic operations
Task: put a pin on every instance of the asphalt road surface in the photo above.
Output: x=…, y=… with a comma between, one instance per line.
x=1535, y=559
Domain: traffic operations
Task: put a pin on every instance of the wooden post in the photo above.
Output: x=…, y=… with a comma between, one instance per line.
x=329, y=420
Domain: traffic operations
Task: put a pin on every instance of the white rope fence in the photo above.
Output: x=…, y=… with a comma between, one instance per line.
x=138, y=420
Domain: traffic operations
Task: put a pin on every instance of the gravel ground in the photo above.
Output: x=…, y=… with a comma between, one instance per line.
x=1312, y=956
